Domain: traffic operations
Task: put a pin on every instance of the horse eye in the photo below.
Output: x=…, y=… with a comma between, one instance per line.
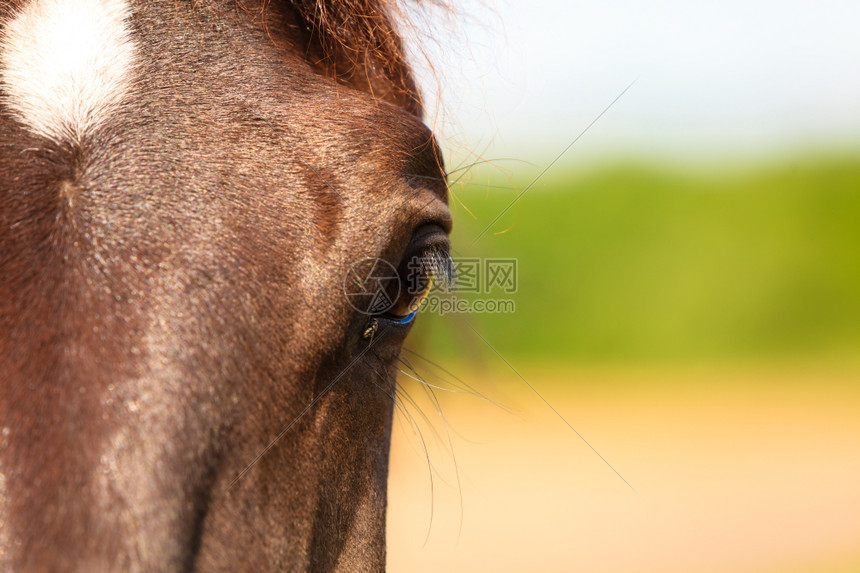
x=415, y=285
x=428, y=262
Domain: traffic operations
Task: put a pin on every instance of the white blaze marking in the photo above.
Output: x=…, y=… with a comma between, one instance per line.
x=65, y=64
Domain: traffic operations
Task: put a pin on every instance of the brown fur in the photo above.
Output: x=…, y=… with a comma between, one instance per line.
x=171, y=299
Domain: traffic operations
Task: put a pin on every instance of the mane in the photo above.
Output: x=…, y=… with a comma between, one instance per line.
x=360, y=42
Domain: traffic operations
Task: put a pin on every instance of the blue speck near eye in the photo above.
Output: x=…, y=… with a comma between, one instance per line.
x=407, y=319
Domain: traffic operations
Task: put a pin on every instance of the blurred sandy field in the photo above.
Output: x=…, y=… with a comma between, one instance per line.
x=752, y=469
x=720, y=313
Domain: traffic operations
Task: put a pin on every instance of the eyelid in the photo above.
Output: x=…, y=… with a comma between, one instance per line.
x=427, y=236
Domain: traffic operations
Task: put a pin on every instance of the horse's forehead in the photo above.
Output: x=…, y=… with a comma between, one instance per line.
x=67, y=67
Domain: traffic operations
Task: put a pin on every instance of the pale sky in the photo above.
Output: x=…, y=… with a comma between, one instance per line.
x=734, y=78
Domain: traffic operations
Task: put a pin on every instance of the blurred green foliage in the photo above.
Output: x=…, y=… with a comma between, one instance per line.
x=638, y=263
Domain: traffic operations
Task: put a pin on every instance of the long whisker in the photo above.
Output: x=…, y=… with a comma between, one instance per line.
x=459, y=181
x=430, y=425
x=424, y=383
x=483, y=161
x=421, y=379
x=553, y=162
x=406, y=396
x=554, y=410
x=461, y=386
x=428, y=388
x=430, y=469
x=392, y=394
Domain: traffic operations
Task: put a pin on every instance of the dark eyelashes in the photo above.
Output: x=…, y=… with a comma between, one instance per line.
x=435, y=261
x=417, y=275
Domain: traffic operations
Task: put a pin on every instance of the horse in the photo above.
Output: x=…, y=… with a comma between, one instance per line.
x=187, y=188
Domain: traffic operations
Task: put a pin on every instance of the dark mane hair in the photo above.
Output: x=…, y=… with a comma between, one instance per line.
x=357, y=42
